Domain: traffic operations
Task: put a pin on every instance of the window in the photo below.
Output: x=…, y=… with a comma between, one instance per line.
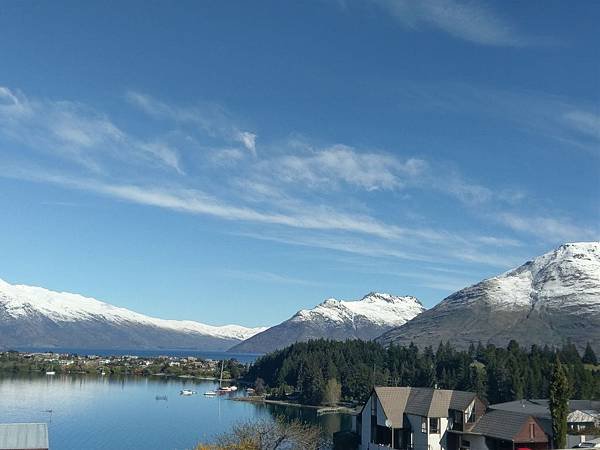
x=434, y=425
x=531, y=431
x=423, y=425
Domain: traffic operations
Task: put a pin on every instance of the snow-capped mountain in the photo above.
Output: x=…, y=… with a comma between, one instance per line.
x=367, y=318
x=37, y=317
x=548, y=300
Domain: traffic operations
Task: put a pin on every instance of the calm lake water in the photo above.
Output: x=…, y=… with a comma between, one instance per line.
x=93, y=412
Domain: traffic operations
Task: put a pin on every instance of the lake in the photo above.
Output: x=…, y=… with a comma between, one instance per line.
x=94, y=412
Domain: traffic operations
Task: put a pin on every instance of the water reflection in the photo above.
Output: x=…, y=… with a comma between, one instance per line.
x=95, y=412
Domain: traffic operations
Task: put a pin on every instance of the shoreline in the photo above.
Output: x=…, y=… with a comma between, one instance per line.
x=321, y=409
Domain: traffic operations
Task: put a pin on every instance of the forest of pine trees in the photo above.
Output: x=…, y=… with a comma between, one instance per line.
x=496, y=374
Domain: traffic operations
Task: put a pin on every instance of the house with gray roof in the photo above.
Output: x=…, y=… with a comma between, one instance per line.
x=417, y=418
x=583, y=414
x=438, y=419
x=23, y=436
x=508, y=430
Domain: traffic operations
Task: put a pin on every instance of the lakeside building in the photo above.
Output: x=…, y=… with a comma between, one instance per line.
x=438, y=419
x=24, y=436
x=583, y=414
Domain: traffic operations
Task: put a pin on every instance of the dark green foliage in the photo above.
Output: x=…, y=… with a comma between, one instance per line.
x=589, y=357
x=496, y=374
x=560, y=393
x=259, y=386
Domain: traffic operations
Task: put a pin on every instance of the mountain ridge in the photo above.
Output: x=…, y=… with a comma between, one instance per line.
x=548, y=300
x=336, y=319
x=34, y=316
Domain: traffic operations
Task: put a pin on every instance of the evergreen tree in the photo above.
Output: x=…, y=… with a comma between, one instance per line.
x=559, y=404
x=589, y=357
x=496, y=374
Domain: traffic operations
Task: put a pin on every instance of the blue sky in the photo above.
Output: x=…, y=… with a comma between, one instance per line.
x=237, y=161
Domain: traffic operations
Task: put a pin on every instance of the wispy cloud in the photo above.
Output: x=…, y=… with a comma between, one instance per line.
x=194, y=201
x=332, y=166
x=551, y=116
x=584, y=121
x=470, y=21
x=451, y=250
x=76, y=133
x=226, y=156
x=297, y=192
x=268, y=277
x=210, y=118
x=340, y=166
x=552, y=229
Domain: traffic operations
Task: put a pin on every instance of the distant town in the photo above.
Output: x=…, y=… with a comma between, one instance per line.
x=67, y=363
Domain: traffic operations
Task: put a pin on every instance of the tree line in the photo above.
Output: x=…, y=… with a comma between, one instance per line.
x=324, y=372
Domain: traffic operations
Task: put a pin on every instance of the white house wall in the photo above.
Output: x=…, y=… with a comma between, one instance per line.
x=477, y=442
x=365, y=435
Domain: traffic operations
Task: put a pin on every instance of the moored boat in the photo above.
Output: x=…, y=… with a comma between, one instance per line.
x=186, y=392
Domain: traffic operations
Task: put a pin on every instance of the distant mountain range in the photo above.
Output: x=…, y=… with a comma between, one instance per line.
x=548, y=300
x=335, y=319
x=36, y=317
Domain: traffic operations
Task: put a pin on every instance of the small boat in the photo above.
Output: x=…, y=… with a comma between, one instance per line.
x=50, y=372
x=210, y=393
x=224, y=389
x=186, y=392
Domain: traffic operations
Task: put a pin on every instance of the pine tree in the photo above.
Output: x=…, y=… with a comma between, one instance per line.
x=559, y=404
x=589, y=357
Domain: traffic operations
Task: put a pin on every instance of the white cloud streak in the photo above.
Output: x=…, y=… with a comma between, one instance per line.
x=268, y=277
x=76, y=133
x=209, y=118
x=553, y=117
x=470, y=21
x=302, y=188
x=552, y=229
x=342, y=164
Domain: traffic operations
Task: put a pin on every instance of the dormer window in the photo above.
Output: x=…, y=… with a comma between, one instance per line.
x=434, y=425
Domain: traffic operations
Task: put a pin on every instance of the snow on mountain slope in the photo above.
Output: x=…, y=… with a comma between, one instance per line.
x=337, y=319
x=20, y=303
x=552, y=298
x=380, y=309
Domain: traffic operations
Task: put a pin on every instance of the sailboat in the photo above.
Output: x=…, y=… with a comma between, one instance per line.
x=222, y=390
x=218, y=391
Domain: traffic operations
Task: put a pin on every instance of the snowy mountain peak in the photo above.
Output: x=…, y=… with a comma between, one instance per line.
x=21, y=301
x=380, y=308
x=335, y=319
x=389, y=298
x=547, y=300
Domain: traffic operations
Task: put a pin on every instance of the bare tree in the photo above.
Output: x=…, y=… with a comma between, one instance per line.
x=333, y=392
x=278, y=434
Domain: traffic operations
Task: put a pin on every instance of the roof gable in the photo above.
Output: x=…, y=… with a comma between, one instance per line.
x=426, y=402
x=507, y=425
